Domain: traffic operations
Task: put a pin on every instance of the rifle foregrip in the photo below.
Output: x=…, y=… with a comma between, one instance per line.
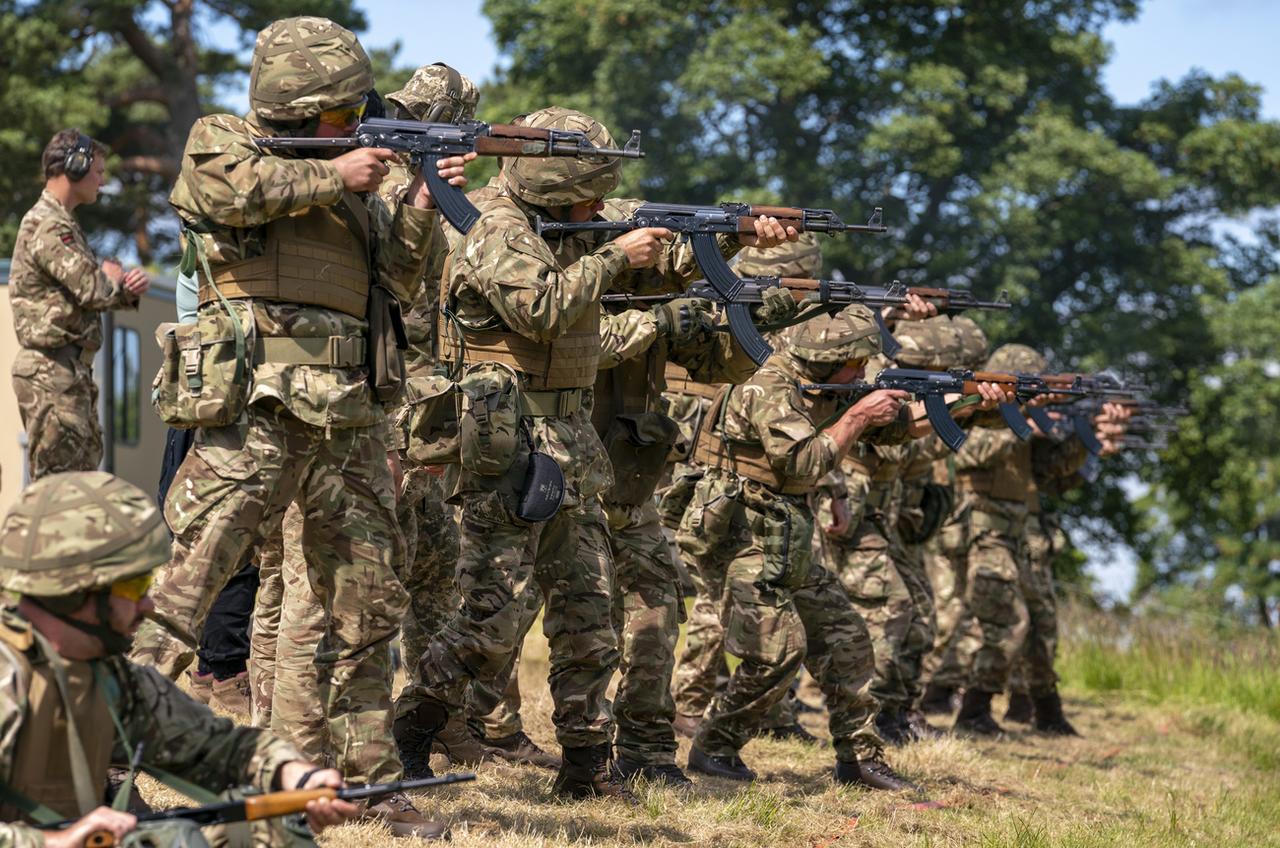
x=100, y=839
x=285, y=803
x=513, y=131
x=777, y=211
x=510, y=147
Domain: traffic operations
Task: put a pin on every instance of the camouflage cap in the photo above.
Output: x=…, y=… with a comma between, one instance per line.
x=79, y=531
x=563, y=181
x=849, y=334
x=437, y=93
x=1017, y=358
x=801, y=258
x=303, y=66
x=974, y=347
x=932, y=343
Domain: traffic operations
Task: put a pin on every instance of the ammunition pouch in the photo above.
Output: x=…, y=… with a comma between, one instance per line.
x=429, y=417
x=488, y=418
x=676, y=499
x=204, y=378
x=637, y=446
x=784, y=528
x=386, y=346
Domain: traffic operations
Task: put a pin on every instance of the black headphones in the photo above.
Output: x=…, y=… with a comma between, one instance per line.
x=79, y=158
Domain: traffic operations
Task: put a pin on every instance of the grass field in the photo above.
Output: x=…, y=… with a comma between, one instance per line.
x=1181, y=747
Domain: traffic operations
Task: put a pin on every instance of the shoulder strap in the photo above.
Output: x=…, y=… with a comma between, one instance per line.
x=86, y=797
x=38, y=813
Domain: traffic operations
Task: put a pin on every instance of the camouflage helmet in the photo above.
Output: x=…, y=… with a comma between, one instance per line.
x=79, y=531
x=932, y=343
x=303, y=66
x=801, y=258
x=829, y=339
x=563, y=181
x=974, y=347
x=437, y=93
x=1016, y=358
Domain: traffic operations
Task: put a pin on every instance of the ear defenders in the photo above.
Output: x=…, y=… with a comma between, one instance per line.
x=79, y=159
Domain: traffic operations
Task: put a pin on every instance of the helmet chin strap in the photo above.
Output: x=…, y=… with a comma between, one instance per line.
x=113, y=641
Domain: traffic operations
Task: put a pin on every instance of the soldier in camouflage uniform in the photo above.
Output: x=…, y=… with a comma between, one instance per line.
x=285, y=239
x=766, y=444
x=528, y=311
x=59, y=291
x=78, y=550
x=995, y=473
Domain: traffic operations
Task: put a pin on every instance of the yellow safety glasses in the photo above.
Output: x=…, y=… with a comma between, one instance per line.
x=344, y=116
x=133, y=588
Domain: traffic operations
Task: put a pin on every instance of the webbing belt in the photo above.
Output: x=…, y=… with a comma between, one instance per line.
x=330, y=351
x=551, y=404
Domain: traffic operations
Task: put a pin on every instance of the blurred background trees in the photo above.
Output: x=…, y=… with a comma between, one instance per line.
x=1141, y=238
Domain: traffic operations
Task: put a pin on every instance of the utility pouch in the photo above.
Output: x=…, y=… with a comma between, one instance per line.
x=637, y=446
x=543, y=490
x=676, y=499
x=935, y=507
x=488, y=418
x=785, y=531
x=387, y=344
x=429, y=416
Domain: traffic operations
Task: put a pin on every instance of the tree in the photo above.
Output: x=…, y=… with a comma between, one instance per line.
x=984, y=131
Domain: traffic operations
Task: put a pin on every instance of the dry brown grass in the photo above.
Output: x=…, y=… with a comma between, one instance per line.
x=1141, y=776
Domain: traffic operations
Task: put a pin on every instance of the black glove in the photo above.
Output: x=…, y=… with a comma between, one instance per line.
x=680, y=320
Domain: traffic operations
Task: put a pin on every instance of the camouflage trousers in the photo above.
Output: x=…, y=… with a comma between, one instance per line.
x=648, y=608
x=891, y=592
x=1033, y=671
x=234, y=487
x=1003, y=597
x=503, y=561
x=774, y=631
x=58, y=401
x=958, y=636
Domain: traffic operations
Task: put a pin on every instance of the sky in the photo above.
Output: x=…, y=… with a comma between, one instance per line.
x=1168, y=39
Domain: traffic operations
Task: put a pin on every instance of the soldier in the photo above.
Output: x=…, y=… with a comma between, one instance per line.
x=292, y=247
x=78, y=550
x=528, y=312
x=59, y=291
x=766, y=444
x=995, y=473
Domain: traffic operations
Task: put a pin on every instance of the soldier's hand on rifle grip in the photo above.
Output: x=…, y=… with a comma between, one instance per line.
x=101, y=828
x=881, y=406
x=362, y=169
x=769, y=233
x=450, y=170
x=644, y=246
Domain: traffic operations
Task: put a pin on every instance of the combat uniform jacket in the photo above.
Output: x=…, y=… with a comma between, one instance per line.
x=994, y=473
x=56, y=284
x=177, y=734
x=229, y=192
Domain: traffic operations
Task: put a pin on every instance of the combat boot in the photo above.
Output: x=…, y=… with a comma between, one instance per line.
x=668, y=773
x=890, y=727
x=397, y=812
x=917, y=727
x=414, y=732
x=233, y=695
x=937, y=700
x=589, y=773
x=729, y=768
x=456, y=741
x=1019, y=709
x=687, y=725
x=201, y=686
x=975, y=714
x=518, y=748
x=873, y=773
x=1050, y=718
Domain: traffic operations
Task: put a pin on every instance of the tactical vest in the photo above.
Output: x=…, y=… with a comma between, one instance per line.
x=1009, y=481
x=746, y=459
x=319, y=257
x=569, y=362
x=679, y=382
x=42, y=763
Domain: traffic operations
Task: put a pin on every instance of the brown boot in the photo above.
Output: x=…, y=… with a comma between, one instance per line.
x=406, y=822
x=975, y=714
x=414, y=733
x=873, y=773
x=518, y=748
x=233, y=695
x=456, y=741
x=687, y=725
x=589, y=773
x=1050, y=718
x=1020, y=709
x=201, y=686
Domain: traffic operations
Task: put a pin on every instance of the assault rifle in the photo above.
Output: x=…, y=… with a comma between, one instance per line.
x=700, y=225
x=933, y=386
x=427, y=143
x=830, y=295
x=1097, y=390
x=271, y=804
